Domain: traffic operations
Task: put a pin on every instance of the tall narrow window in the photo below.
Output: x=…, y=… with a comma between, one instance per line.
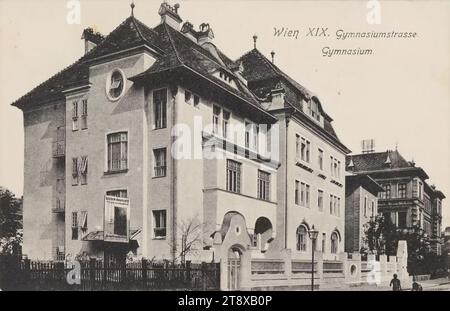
x=302, y=194
x=84, y=114
x=83, y=169
x=331, y=204
x=117, y=151
x=187, y=96
x=215, y=119
x=301, y=238
x=74, y=171
x=263, y=185
x=196, y=100
x=307, y=195
x=225, y=123
x=320, y=159
x=159, y=224
x=320, y=200
x=256, y=137
x=334, y=243
x=420, y=190
x=305, y=149
x=160, y=162
x=247, y=134
x=338, y=169
x=387, y=191
x=338, y=207
x=324, y=238
x=297, y=146
x=365, y=206
x=402, y=191
x=372, y=209
x=414, y=188
x=331, y=166
x=296, y=193
x=74, y=226
x=160, y=108
x=233, y=176
x=75, y=116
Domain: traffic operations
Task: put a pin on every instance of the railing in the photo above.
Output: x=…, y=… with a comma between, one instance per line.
x=95, y=275
x=59, y=149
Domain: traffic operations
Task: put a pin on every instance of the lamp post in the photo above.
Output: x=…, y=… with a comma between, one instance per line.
x=313, y=236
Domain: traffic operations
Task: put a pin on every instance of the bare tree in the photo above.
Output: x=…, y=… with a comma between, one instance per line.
x=189, y=240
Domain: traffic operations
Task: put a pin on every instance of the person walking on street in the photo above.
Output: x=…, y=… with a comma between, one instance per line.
x=395, y=283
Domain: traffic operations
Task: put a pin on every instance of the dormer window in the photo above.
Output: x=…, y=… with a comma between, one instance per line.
x=115, y=85
x=313, y=109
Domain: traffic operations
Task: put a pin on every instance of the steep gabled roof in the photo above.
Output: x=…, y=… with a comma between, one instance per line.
x=130, y=33
x=263, y=76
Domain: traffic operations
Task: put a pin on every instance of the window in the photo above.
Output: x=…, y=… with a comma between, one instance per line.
x=83, y=220
x=414, y=188
x=339, y=207
x=324, y=239
x=307, y=200
x=297, y=186
x=365, y=206
x=302, y=236
x=196, y=100
x=401, y=191
x=225, y=123
x=331, y=166
x=297, y=146
x=74, y=171
x=401, y=219
x=420, y=190
x=187, y=96
x=215, y=119
x=74, y=226
x=320, y=156
x=263, y=185
x=83, y=169
x=117, y=151
x=233, y=176
x=305, y=149
x=331, y=204
x=320, y=200
x=116, y=85
x=386, y=194
x=302, y=194
x=256, y=137
x=338, y=167
x=75, y=116
x=118, y=193
x=247, y=134
x=84, y=110
x=160, y=108
x=372, y=212
x=159, y=224
x=334, y=243
x=160, y=162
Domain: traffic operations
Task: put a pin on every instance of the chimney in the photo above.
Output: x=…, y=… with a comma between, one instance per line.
x=169, y=15
x=277, y=95
x=91, y=39
x=188, y=30
x=368, y=146
x=205, y=35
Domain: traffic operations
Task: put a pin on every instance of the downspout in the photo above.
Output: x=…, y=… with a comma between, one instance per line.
x=174, y=91
x=286, y=182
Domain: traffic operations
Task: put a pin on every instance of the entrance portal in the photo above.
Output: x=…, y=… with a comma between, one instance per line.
x=234, y=268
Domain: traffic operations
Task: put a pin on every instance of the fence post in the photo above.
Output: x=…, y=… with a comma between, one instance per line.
x=144, y=272
x=188, y=273
x=92, y=272
x=27, y=272
x=204, y=276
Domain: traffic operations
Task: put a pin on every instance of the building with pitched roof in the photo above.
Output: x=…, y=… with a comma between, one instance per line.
x=407, y=199
x=104, y=174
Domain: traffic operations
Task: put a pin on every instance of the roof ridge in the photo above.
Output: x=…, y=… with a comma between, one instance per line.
x=173, y=44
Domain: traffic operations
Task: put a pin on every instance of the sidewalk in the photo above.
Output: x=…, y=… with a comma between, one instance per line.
x=429, y=285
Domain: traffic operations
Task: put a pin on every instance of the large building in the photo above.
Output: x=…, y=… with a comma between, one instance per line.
x=407, y=199
x=105, y=173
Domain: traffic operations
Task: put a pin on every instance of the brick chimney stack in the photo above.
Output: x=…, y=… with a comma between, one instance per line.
x=169, y=15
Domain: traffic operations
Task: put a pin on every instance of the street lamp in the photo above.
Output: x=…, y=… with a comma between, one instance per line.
x=313, y=236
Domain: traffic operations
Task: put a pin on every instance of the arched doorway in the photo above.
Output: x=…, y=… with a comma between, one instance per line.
x=262, y=234
x=234, y=267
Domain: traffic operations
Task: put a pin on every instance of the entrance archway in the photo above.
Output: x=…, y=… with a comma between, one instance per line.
x=234, y=267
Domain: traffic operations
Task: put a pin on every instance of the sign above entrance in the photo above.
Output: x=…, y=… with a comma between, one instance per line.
x=116, y=219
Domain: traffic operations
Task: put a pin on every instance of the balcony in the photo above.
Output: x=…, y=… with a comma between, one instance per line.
x=59, y=205
x=59, y=145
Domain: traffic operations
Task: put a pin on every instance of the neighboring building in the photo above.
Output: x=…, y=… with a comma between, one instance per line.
x=446, y=241
x=406, y=197
x=100, y=178
x=361, y=206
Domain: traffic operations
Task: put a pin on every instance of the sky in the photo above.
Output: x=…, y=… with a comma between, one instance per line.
x=399, y=95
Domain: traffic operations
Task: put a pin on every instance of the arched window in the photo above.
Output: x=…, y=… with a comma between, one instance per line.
x=334, y=243
x=302, y=236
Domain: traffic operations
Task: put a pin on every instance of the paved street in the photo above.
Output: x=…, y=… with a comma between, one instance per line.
x=442, y=284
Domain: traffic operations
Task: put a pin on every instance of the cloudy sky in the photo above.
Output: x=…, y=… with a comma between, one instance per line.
x=398, y=96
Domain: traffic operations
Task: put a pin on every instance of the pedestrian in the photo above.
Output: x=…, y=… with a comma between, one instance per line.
x=395, y=283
